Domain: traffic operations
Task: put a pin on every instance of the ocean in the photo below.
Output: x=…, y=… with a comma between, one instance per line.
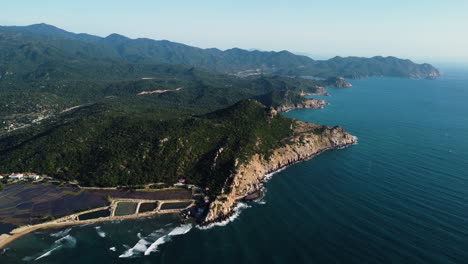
x=399, y=196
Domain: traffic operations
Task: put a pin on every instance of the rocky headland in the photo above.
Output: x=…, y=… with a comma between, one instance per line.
x=338, y=82
x=306, y=141
x=308, y=103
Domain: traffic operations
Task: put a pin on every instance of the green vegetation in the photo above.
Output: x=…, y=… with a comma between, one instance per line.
x=73, y=193
x=115, y=111
x=276, y=99
x=36, y=43
x=41, y=219
x=109, y=149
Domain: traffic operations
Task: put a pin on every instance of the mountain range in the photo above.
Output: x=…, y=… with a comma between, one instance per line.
x=119, y=111
x=41, y=41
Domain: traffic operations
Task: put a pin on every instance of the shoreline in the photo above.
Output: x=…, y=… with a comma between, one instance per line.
x=260, y=189
x=257, y=193
x=70, y=220
x=309, y=103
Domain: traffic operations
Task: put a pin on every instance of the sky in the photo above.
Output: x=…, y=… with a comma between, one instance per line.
x=427, y=30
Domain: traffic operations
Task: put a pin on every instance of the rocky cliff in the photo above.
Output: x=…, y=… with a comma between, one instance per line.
x=338, y=82
x=430, y=73
x=306, y=141
x=309, y=103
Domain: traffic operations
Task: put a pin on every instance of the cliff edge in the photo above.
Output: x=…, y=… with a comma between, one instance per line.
x=308, y=103
x=306, y=141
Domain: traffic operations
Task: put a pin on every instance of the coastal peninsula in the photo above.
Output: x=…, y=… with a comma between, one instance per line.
x=306, y=141
x=94, y=113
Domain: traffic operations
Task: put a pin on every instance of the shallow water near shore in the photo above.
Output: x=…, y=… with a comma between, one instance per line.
x=400, y=195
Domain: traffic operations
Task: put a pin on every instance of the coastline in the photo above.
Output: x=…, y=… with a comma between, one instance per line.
x=253, y=187
x=308, y=103
x=260, y=192
x=73, y=220
x=308, y=141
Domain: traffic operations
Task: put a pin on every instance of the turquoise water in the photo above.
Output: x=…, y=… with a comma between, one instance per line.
x=399, y=196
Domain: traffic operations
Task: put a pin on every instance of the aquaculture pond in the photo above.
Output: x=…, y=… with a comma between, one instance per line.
x=95, y=214
x=147, y=207
x=125, y=208
x=6, y=228
x=179, y=205
x=27, y=203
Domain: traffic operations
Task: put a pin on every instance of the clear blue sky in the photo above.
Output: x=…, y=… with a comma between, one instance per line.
x=422, y=30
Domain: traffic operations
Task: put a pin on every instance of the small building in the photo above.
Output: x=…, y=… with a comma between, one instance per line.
x=16, y=176
x=182, y=181
x=34, y=177
x=207, y=199
x=1, y=176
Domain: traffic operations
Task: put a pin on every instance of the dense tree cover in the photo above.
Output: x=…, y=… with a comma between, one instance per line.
x=193, y=123
x=105, y=148
x=277, y=98
x=192, y=91
x=146, y=51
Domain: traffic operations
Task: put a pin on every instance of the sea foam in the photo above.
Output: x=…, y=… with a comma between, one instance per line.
x=235, y=213
x=61, y=233
x=64, y=242
x=144, y=241
x=100, y=232
x=140, y=246
x=180, y=230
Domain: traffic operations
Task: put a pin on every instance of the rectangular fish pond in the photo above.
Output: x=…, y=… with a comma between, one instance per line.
x=28, y=203
x=95, y=214
x=178, y=205
x=147, y=207
x=125, y=208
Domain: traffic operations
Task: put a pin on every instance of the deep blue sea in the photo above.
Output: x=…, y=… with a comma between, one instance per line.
x=399, y=196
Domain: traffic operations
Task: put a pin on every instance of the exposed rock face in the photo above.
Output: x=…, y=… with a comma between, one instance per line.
x=339, y=82
x=307, y=141
x=309, y=103
x=425, y=71
x=429, y=74
x=318, y=91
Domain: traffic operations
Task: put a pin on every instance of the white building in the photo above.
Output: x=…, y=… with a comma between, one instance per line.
x=16, y=176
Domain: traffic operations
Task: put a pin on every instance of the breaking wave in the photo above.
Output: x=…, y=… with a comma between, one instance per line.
x=236, y=212
x=180, y=230
x=355, y=140
x=148, y=244
x=268, y=176
x=143, y=243
x=100, y=232
x=140, y=246
x=65, y=242
x=61, y=233
x=154, y=247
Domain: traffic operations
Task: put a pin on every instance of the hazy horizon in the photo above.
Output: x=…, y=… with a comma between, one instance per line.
x=423, y=31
